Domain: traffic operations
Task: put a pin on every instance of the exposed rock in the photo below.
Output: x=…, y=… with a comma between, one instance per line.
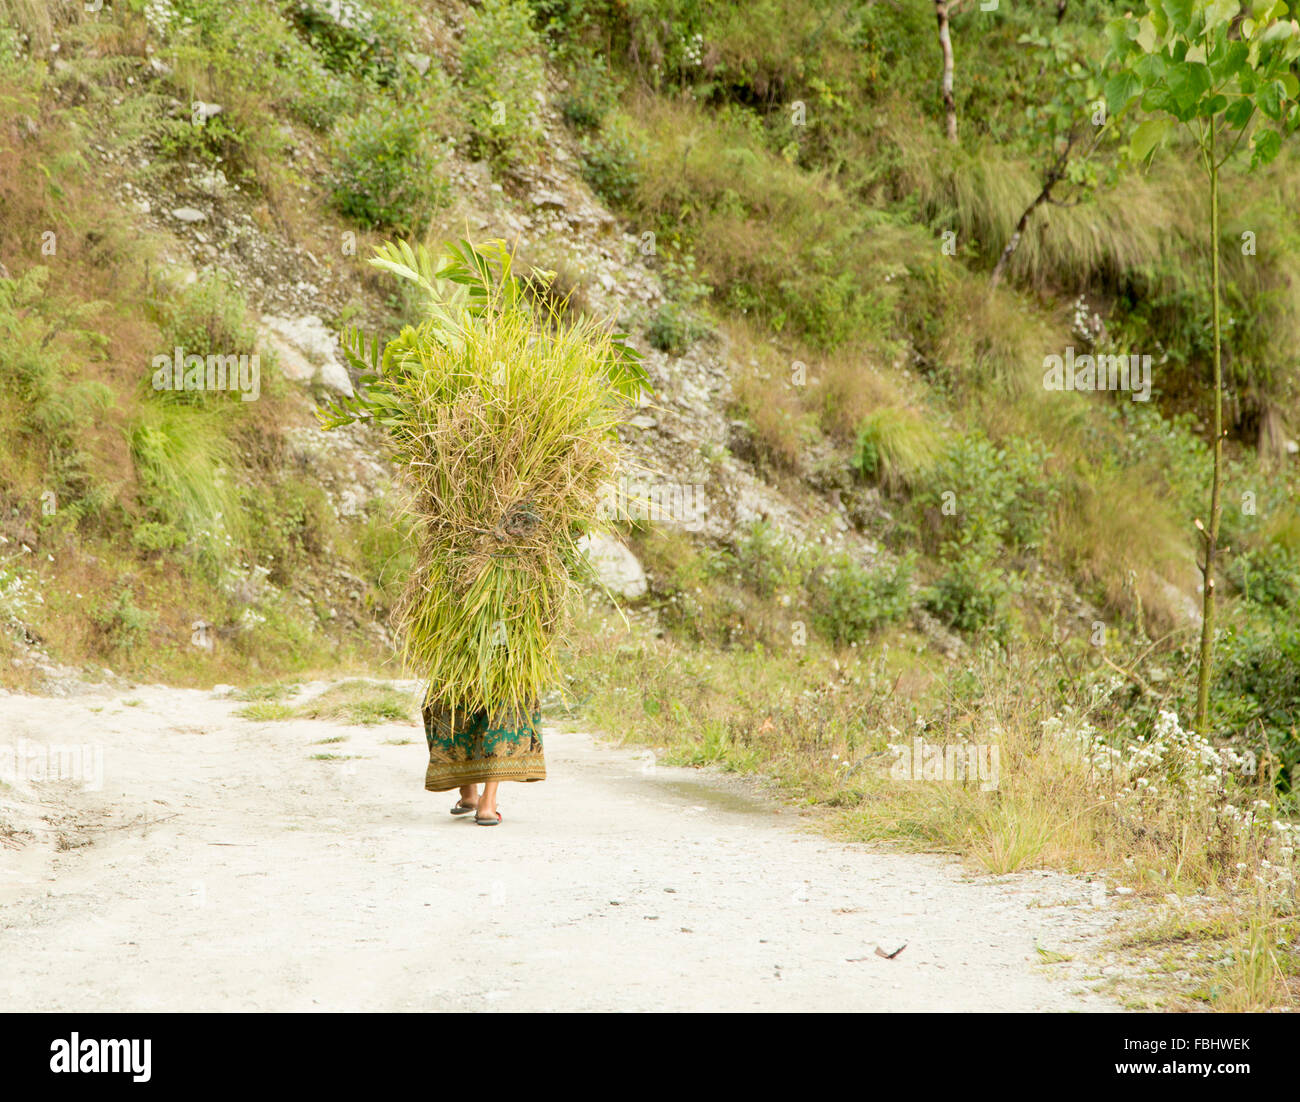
x=419, y=62
x=346, y=14
x=1184, y=602
x=944, y=640
x=212, y=182
x=307, y=351
x=188, y=215
x=615, y=565
x=201, y=111
x=549, y=200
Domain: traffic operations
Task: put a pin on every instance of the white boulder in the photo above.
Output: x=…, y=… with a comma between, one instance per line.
x=307, y=350
x=615, y=565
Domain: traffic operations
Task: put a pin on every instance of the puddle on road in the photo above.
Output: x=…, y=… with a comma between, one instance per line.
x=698, y=792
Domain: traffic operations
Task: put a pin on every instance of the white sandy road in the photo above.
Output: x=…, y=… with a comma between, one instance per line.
x=228, y=870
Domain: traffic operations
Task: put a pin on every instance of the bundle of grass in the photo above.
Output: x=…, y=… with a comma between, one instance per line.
x=502, y=411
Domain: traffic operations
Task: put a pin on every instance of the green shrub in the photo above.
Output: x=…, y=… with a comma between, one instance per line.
x=290, y=523
x=152, y=535
x=673, y=329
x=767, y=562
x=219, y=140
x=366, y=42
x=502, y=71
x=677, y=323
x=47, y=405
x=183, y=461
x=591, y=94
x=387, y=170
x=850, y=601
x=209, y=317
x=385, y=551
x=1267, y=575
x=987, y=500
x=969, y=595
x=320, y=97
x=1257, y=690
x=610, y=164
x=121, y=624
x=1002, y=496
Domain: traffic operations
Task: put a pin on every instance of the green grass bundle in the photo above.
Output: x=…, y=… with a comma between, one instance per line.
x=502, y=414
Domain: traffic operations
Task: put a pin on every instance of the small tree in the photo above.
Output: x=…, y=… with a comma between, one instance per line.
x=1212, y=66
x=1069, y=126
x=942, y=10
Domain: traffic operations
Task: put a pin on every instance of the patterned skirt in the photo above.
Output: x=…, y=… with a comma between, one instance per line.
x=479, y=747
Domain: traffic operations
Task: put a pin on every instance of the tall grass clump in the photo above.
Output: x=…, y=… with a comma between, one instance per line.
x=183, y=458
x=895, y=447
x=502, y=415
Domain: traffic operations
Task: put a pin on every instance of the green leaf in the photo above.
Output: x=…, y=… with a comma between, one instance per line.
x=1147, y=36
x=1117, y=34
x=1121, y=90
x=1188, y=81
x=1271, y=97
x=1228, y=62
x=1239, y=113
x=1151, y=69
x=1278, y=32
x=1180, y=14
x=1220, y=11
x=1157, y=18
x=1147, y=136
x=1159, y=99
x=1267, y=145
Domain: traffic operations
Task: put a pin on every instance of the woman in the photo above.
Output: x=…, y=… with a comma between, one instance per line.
x=496, y=408
x=478, y=748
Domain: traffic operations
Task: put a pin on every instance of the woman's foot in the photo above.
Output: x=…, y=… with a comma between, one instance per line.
x=487, y=804
x=468, y=800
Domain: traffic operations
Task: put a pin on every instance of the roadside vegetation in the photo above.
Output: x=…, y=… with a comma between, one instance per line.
x=1035, y=582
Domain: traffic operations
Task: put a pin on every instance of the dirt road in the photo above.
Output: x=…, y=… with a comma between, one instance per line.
x=222, y=866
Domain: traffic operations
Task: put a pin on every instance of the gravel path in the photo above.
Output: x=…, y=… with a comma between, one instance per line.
x=221, y=867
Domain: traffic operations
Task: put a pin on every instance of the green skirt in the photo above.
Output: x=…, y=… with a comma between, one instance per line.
x=479, y=747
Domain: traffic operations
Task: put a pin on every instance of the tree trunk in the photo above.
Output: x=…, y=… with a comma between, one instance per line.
x=1211, y=534
x=1042, y=197
x=1054, y=176
x=1271, y=444
x=945, y=44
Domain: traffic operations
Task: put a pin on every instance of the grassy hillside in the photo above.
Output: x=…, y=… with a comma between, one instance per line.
x=1012, y=557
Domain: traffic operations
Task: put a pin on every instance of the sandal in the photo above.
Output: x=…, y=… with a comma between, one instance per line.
x=463, y=808
x=488, y=822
